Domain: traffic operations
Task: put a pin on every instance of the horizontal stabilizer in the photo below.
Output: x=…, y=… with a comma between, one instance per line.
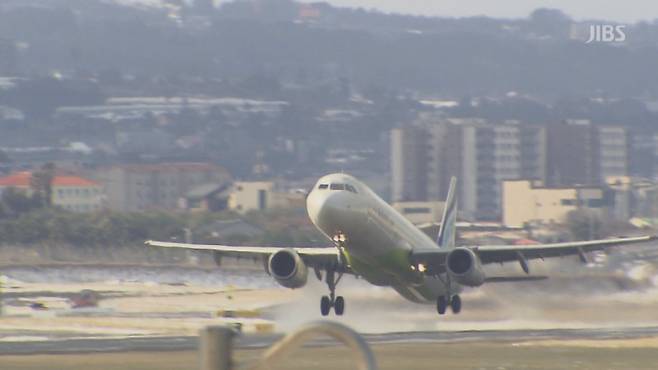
x=514, y=279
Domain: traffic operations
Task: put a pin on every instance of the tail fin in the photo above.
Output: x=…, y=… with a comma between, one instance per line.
x=446, y=237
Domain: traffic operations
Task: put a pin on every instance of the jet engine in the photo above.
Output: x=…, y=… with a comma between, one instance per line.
x=464, y=266
x=288, y=268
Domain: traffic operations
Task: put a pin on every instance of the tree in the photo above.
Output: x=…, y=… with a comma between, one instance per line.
x=39, y=98
x=16, y=202
x=42, y=183
x=551, y=22
x=584, y=224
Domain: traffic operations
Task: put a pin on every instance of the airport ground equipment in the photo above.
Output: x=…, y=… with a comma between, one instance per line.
x=216, y=348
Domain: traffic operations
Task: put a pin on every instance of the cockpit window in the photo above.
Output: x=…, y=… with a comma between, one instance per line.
x=323, y=186
x=336, y=186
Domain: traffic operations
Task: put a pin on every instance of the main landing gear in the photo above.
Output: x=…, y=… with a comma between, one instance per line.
x=327, y=302
x=442, y=304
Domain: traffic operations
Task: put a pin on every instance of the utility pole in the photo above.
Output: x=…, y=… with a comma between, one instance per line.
x=2, y=280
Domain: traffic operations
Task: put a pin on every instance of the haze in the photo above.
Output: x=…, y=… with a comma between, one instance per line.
x=621, y=11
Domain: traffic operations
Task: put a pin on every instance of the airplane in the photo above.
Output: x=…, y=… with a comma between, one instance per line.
x=371, y=240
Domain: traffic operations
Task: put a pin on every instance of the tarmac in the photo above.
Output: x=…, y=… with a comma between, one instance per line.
x=162, y=309
x=182, y=343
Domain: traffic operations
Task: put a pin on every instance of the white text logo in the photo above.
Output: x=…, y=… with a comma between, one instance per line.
x=606, y=33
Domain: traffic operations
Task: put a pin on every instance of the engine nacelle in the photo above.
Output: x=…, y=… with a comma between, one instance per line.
x=288, y=269
x=464, y=266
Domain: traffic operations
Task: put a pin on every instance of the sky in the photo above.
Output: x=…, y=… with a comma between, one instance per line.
x=616, y=10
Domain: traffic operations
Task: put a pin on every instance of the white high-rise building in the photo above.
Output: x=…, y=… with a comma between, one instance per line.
x=409, y=164
x=613, y=151
x=481, y=155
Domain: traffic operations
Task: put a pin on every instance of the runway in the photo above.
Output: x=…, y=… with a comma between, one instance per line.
x=147, y=309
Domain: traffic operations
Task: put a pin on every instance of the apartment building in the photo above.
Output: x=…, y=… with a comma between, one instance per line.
x=580, y=153
x=483, y=155
x=480, y=155
x=139, y=187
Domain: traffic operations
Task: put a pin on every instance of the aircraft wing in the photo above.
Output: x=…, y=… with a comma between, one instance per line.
x=435, y=259
x=313, y=257
x=506, y=253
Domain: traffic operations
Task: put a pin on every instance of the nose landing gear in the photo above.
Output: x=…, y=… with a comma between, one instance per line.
x=325, y=305
x=331, y=301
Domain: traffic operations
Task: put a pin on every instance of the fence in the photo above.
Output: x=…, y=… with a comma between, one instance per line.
x=216, y=349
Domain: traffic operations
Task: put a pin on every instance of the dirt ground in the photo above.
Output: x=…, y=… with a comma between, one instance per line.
x=137, y=308
x=481, y=356
x=132, y=305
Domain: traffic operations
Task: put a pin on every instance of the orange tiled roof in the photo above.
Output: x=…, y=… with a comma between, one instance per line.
x=23, y=180
x=17, y=179
x=73, y=181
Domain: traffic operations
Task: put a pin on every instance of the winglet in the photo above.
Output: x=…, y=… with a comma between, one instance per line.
x=446, y=237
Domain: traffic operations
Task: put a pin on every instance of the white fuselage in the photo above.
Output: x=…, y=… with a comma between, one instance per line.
x=376, y=241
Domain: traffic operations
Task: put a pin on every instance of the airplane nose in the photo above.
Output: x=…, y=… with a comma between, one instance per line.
x=325, y=208
x=314, y=202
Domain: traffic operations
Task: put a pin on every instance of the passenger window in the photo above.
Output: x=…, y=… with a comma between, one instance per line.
x=323, y=186
x=350, y=188
x=337, y=187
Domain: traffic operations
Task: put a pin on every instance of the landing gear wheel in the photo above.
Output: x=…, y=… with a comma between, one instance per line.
x=456, y=304
x=441, y=304
x=327, y=302
x=339, y=305
x=325, y=305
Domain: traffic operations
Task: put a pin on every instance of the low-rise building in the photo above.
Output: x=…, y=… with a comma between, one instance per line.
x=260, y=195
x=69, y=192
x=207, y=198
x=421, y=212
x=250, y=195
x=529, y=202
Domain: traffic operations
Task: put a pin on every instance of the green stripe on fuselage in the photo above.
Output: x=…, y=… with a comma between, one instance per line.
x=394, y=269
x=390, y=268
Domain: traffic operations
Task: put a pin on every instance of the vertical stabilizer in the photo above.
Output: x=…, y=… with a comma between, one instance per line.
x=446, y=237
